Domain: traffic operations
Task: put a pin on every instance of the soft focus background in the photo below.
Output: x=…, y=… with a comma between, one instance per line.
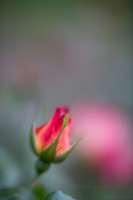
x=76, y=53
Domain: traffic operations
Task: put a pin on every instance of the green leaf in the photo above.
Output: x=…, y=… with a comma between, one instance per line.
x=33, y=139
x=58, y=195
x=66, y=153
x=39, y=192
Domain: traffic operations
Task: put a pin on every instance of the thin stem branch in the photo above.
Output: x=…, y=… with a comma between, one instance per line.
x=35, y=181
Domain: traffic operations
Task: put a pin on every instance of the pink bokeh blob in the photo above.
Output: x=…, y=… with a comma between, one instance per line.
x=107, y=140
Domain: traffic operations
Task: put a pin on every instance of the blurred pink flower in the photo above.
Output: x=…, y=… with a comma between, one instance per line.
x=107, y=140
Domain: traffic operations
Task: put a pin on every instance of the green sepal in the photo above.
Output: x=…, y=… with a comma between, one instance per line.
x=64, y=155
x=49, y=154
x=65, y=121
x=33, y=138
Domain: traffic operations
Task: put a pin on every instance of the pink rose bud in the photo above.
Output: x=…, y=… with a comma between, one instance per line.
x=51, y=141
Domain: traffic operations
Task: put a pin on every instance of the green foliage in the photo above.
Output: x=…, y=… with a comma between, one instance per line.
x=58, y=195
x=17, y=194
x=36, y=193
x=39, y=192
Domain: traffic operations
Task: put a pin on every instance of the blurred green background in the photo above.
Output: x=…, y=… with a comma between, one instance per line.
x=54, y=53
